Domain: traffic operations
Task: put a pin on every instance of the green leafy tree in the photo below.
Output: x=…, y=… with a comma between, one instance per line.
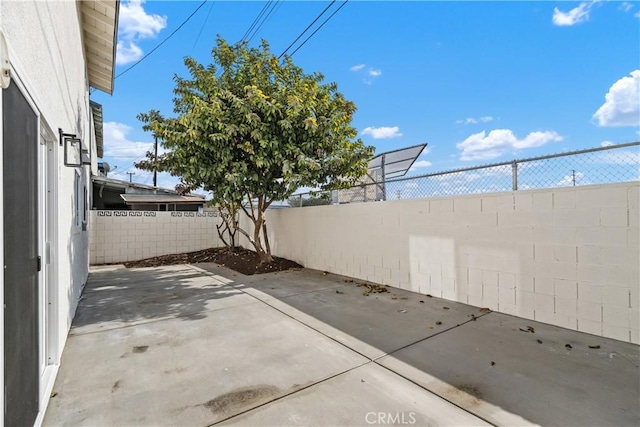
x=253, y=129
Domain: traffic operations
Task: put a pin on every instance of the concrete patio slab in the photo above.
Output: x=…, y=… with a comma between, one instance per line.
x=494, y=369
x=281, y=284
x=143, y=295
x=373, y=325
x=368, y=395
x=187, y=345
x=178, y=371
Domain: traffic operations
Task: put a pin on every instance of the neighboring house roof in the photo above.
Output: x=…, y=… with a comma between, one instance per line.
x=96, y=112
x=123, y=185
x=100, y=29
x=132, y=199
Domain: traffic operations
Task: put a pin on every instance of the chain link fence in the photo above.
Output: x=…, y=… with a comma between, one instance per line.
x=602, y=165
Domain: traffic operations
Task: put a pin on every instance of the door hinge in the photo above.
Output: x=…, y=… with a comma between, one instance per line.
x=39, y=263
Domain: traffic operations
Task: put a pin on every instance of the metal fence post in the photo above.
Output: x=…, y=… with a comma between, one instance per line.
x=514, y=174
x=300, y=203
x=384, y=178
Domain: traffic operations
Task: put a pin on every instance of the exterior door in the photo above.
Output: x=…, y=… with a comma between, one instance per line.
x=21, y=260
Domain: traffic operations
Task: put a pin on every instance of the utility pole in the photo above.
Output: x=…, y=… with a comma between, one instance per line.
x=155, y=170
x=131, y=175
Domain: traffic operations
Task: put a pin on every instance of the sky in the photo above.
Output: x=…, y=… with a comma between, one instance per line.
x=479, y=82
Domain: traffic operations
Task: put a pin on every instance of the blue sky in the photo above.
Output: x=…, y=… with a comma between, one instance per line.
x=479, y=81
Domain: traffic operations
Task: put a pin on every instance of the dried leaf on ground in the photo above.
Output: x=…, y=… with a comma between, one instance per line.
x=373, y=288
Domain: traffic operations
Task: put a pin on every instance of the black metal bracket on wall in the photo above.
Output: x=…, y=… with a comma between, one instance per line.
x=64, y=135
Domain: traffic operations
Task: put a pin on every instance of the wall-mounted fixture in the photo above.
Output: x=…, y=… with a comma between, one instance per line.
x=72, y=149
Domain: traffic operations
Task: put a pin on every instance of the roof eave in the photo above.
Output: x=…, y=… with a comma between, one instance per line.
x=100, y=31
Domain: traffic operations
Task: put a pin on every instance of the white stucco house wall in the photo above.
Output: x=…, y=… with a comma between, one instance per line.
x=52, y=53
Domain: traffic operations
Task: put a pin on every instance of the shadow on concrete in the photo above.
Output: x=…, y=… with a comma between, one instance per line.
x=504, y=369
x=124, y=297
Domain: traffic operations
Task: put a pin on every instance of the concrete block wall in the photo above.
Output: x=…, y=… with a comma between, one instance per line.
x=565, y=256
x=119, y=236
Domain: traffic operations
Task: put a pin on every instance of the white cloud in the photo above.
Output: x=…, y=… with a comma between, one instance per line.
x=636, y=15
x=618, y=157
x=118, y=146
x=369, y=75
x=576, y=178
x=420, y=164
x=625, y=6
x=574, y=16
x=128, y=52
x=622, y=103
x=483, y=146
x=382, y=132
x=473, y=121
x=135, y=24
x=138, y=176
x=606, y=144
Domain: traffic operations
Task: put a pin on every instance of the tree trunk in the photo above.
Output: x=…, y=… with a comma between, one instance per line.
x=266, y=237
x=228, y=227
x=264, y=255
x=257, y=218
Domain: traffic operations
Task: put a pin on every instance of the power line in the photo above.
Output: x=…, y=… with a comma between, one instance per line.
x=318, y=29
x=163, y=41
x=306, y=29
x=255, y=21
x=204, y=23
x=266, y=18
x=131, y=164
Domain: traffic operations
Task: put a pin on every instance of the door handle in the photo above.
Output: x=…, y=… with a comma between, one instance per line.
x=39, y=263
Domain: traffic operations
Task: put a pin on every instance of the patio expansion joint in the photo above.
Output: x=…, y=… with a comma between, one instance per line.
x=376, y=359
x=434, y=393
x=369, y=359
x=475, y=318
x=367, y=362
x=291, y=317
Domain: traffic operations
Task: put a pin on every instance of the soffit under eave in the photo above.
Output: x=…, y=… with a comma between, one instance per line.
x=100, y=28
